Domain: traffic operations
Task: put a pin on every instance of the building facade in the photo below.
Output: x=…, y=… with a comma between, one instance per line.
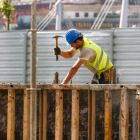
x=82, y=16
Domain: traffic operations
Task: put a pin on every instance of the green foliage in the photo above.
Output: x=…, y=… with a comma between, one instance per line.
x=133, y=16
x=7, y=10
x=113, y=15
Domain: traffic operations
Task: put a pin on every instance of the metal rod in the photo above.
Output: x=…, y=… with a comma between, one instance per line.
x=56, y=78
x=124, y=14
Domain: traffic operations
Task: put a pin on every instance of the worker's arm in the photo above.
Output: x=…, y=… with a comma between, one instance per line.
x=73, y=71
x=68, y=54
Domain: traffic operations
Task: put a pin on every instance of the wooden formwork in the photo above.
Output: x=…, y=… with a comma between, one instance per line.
x=92, y=91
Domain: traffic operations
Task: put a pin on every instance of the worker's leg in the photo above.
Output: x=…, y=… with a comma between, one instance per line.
x=95, y=79
x=102, y=79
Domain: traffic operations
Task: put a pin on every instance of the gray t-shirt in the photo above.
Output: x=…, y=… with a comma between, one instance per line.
x=89, y=55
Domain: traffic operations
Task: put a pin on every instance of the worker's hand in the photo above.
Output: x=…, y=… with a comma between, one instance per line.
x=57, y=51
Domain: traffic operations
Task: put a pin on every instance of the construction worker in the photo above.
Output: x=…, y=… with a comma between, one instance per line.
x=91, y=55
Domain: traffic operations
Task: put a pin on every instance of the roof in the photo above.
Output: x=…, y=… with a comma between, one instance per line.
x=80, y=7
x=97, y=7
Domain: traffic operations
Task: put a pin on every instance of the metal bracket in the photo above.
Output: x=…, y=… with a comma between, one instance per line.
x=138, y=94
x=32, y=30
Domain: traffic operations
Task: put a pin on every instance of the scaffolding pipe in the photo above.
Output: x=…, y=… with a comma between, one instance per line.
x=124, y=14
x=59, y=16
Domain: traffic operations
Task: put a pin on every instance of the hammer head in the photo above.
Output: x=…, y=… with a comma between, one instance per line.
x=56, y=36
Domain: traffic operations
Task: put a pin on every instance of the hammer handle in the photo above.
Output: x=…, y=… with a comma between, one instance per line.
x=56, y=47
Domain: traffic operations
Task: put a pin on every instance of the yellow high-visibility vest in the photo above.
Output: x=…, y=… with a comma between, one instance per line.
x=101, y=62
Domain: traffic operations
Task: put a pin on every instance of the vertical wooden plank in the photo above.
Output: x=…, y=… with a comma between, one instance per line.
x=45, y=115
x=134, y=106
x=124, y=114
x=26, y=116
x=89, y=114
x=114, y=75
x=59, y=115
x=40, y=115
x=75, y=115
x=138, y=119
x=11, y=115
x=108, y=115
x=109, y=76
x=93, y=115
x=33, y=115
x=33, y=85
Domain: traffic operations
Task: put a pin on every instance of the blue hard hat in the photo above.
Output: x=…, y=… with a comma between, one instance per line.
x=71, y=35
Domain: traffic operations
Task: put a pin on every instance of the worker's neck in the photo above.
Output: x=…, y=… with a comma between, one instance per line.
x=82, y=45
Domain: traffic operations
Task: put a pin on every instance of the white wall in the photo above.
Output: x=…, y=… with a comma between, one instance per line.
x=81, y=14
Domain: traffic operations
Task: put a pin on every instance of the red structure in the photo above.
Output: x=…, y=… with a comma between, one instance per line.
x=25, y=9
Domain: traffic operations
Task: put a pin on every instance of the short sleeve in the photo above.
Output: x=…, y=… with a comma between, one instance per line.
x=87, y=54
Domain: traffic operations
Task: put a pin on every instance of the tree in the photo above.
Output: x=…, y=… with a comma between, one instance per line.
x=7, y=10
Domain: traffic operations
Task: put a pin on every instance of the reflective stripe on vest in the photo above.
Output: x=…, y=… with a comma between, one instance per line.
x=101, y=62
x=100, y=59
x=98, y=63
x=107, y=62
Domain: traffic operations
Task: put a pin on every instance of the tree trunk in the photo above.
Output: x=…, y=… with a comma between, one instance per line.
x=8, y=22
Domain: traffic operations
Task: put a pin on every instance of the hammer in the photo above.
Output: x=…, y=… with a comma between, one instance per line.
x=56, y=39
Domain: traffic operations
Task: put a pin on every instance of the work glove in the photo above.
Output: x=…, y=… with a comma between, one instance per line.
x=57, y=51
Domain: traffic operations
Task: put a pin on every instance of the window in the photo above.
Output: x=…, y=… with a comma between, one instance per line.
x=117, y=25
x=95, y=15
x=17, y=8
x=21, y=8
x=109, y=25
x=76, y=14
x=86, y=14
